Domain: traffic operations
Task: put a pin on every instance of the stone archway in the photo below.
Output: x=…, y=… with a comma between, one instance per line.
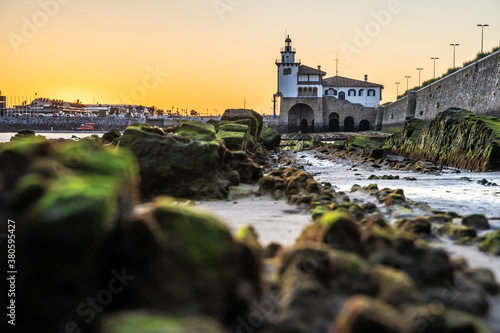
x=349, y=124
x=364, y=125
x=333, y=123
x=301, y=118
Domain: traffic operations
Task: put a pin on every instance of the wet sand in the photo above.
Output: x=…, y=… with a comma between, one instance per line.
x=274, y=221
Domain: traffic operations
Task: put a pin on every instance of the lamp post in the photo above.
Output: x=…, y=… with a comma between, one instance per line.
x=454, y=47
x=419, y=70
x=407, y=77
x=397, y=89
x=433, y=58
x=482, y=34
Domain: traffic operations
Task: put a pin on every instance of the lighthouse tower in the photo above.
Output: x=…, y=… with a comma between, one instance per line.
x=288, y=71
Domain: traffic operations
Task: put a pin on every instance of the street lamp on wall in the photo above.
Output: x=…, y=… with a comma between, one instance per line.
x=419, y=71
x=433, y=58
x=482, y=34
x=454, y=48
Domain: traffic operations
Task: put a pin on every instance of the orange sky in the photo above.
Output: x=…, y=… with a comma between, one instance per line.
x=214, y=54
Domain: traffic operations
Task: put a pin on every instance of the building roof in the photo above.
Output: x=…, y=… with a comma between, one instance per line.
x=340, y=81
x=303, y=69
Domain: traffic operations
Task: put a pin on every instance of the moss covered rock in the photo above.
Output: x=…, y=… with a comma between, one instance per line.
x=64, y=202
x=143, y=322
x=492, y=243
x=256, y=120
x=364, y=314
x=270, y=138
x=196, y=131
x=456, y=138
x=176, y=165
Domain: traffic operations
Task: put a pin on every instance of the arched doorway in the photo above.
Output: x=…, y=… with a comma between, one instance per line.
x=303, y=126
x=342, y=96
x=333, y=123
x=364, y=125
x=301, y=118
x=349, y=124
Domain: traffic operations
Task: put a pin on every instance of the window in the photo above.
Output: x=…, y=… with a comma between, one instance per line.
x=287, y=71
x=361, y=92
x=351, y=92
x=371, y=92
x=303, y=78
x=335, y=92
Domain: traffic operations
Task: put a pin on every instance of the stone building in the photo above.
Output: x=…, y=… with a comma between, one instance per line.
x=309, y=102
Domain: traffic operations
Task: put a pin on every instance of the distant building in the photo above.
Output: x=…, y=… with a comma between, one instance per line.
x=309, y=102
x=3, y=104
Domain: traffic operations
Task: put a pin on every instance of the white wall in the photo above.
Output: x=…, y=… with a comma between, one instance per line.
x=372, y=101
x=288, y=83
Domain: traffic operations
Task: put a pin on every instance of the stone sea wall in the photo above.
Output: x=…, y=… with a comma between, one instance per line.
x=475, y=88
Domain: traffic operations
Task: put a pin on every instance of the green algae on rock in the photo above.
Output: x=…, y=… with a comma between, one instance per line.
x=456, y=138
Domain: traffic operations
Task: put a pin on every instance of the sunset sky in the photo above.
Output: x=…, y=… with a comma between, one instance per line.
x=214, y=54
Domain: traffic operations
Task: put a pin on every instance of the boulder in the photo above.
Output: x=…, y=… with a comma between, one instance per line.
x=64, y=202
x=111, y=136
x=336, y=229
x=477, y=221
x=364, y=314
x=492, y=243
x=184, y=263
x=256, y=120
x=269, y=138
x=176, y=165
x=196, y=131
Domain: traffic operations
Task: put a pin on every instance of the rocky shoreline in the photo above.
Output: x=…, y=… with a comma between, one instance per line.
x=101, y=211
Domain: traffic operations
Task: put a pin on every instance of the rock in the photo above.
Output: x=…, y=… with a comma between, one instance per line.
x=364, y=314
x=234, y=135
x=339, y=272
x=272, y=250
x=394, y=199
x=434, y=267
x=196, y=131
x=456, y=231
x=64, y=200
x=176, y=165
x=270, y=138
x=453, y=134
x=336, y=229
x=143, y=322
x=477, y=221
x=256, y=120
x=185, y=262
x=395, y=286
x=492, y=243
x=485, y=278
x=23, y=135
x=111, y=136
x=418, y=225
x=248, y=236
x=234, y=178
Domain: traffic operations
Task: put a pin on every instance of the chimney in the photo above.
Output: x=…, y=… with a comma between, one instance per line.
x=319, y=67
x=366, y=78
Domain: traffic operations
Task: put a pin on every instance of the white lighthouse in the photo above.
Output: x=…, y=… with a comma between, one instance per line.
x=288, y=71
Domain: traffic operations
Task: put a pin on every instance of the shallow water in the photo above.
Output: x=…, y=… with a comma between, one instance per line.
x=5, y=136
x=446, y=192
